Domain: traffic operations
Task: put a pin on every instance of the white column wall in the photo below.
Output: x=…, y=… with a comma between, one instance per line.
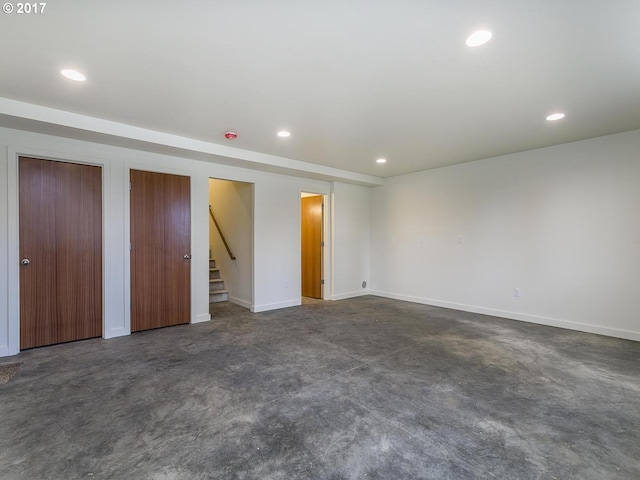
x=561, y=224
x=351, y=235
x=4, y=254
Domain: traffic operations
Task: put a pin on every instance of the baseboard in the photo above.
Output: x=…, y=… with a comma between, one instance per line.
x=524, y=317
x=203, y=317
x=116, y=332
x=275, y=306
x=344, y=296
x=239, y=301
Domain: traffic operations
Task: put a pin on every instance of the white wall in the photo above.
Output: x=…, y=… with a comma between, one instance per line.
x=562, y=224
x=351, y=234
x=4, y=256
x=276, y=251
x=232, y=204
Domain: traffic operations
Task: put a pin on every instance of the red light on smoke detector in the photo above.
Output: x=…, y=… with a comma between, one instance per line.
x=230, y=135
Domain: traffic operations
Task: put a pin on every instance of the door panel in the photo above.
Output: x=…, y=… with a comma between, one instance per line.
x=60, y=215
x=160, y=238
x=311, y=221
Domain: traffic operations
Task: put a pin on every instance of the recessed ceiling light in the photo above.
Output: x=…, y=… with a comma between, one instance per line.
x=73, y=75
x=555, y=116
x=284, y=134
x=381, y=160
x=478, y=38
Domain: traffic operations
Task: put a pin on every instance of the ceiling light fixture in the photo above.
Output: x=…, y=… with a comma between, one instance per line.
x=381, y=160
x=73, y=75
x=555, y=116
x=478, y=38
x=284, y=134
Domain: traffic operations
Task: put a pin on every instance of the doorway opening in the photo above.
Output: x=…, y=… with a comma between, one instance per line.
x=230, y=244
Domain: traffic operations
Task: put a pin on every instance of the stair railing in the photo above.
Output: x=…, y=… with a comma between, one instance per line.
x=226, y=245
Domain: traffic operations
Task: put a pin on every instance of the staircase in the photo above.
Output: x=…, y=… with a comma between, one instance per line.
x=217, y=293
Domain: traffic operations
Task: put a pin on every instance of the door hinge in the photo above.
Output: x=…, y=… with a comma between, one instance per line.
x=322, y=244
x=322, y=282
x=129, y=186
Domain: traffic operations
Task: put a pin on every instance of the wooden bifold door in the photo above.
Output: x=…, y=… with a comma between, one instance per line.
x=60, y=215
x=160, y=250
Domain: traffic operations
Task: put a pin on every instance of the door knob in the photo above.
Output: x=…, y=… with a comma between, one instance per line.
x=25, y=261
x=186, y=256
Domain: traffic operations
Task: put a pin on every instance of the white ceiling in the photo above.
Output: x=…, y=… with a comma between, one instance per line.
x=353, y=80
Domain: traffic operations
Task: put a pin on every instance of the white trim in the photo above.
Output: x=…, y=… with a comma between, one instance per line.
x=327, y=238
x=524, y=317
x=239, y=301
x=332, y=265
x=275, y=306
x=4, y=258
x=13, y=253
x=126, y=245
x=204, y=317
x=344, y=296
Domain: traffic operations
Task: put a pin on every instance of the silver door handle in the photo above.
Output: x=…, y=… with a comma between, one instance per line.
x=187, y=256
x=25, y=261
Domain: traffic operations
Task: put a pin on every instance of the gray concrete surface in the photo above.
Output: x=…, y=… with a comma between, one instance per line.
x=367, y=388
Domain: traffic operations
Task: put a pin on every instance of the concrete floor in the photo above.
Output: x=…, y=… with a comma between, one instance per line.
x=358, y=389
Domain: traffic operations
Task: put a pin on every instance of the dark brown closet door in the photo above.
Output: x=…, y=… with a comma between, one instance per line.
x=60, y=250
x=160, y=250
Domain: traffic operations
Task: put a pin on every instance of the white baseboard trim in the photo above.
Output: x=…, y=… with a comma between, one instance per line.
x=524, y=317
x=344, y=296
x=116, y=332
x=203, y=317
x=239, y=301
x=275, y=306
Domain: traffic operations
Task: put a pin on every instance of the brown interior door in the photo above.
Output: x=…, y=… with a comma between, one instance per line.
x=311, y=208
x=60, y=214
x=160, y=250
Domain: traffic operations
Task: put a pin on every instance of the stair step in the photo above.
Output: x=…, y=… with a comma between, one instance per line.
x=219, y=296
x=216, y=284
x=217, y=293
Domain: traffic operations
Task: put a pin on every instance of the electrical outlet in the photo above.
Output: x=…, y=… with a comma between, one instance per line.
x=516, y=292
